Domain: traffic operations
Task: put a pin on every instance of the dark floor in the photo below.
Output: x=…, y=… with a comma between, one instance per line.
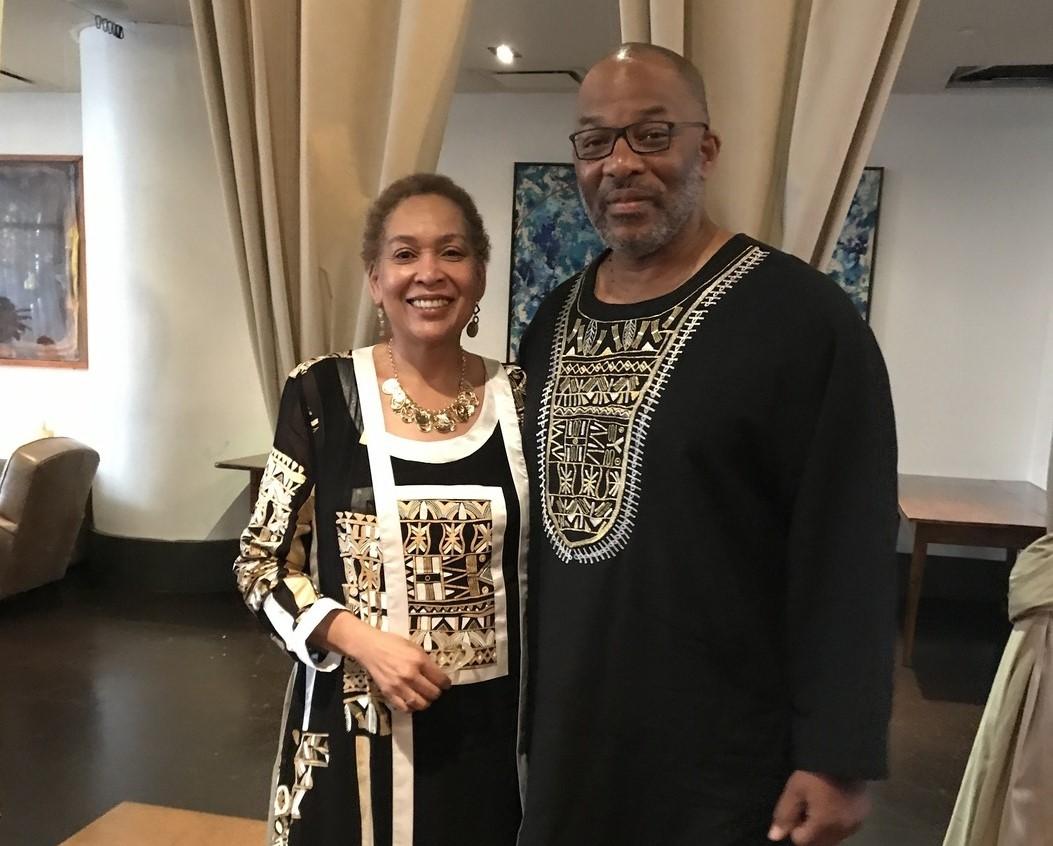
x=175, y=700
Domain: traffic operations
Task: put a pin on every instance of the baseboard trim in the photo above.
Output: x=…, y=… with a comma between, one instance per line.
x=160, y=566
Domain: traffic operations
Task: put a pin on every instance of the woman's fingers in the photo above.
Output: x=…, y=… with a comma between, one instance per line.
x=434, y=675
x=426, y=689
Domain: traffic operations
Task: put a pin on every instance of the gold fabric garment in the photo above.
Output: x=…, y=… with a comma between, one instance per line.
x=1005, y=797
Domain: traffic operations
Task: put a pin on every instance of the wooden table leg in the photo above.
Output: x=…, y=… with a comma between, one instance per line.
x=917, y=575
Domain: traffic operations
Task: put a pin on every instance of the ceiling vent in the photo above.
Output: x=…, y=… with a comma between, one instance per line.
x=1002, y=76
x=537, y=81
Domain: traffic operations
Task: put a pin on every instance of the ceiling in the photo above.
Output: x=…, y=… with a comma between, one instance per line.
x=39, y=37
x=949, y=33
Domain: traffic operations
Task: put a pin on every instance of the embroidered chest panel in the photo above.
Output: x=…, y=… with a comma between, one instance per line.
x=605, y=381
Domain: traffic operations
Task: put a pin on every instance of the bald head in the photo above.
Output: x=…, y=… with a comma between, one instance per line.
x=651, y=53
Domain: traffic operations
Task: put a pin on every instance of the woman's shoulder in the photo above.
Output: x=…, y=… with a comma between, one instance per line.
x=305, y=367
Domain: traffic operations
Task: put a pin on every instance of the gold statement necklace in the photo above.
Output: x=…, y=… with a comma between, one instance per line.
x=444, y=419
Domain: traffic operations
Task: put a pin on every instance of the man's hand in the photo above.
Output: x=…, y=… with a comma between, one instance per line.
x=817, y=810
x=405, y=673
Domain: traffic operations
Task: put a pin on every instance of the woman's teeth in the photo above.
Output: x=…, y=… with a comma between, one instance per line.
x=427, y=304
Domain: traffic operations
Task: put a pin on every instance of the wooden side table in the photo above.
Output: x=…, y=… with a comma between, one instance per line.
x=254, y=464
x=964, y=512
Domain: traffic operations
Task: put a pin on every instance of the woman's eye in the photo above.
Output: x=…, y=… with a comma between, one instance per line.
x=402, y=255
x=456, y=255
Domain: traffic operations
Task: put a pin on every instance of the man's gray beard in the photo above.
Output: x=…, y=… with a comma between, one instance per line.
x=671, y=220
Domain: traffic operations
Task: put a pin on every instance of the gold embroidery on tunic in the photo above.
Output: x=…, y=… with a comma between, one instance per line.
x=606, y=380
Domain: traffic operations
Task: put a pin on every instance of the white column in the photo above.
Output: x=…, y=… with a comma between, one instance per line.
x=174, y=387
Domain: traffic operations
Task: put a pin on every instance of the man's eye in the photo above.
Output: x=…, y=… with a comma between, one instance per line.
x=591, y=142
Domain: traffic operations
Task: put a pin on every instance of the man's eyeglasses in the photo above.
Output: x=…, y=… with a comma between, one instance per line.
x=648, y=136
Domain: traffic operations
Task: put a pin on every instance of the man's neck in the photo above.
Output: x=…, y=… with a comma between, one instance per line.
x=627, y=278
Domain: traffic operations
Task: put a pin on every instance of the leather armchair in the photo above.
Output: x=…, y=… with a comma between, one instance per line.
x=43, y=490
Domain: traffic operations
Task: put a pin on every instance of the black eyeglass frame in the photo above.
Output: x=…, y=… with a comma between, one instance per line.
x=623, y=132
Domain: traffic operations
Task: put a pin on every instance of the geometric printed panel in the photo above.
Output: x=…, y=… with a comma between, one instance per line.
x=257, y=568
x=358, y=542
x=449, y=580
x=312, y=752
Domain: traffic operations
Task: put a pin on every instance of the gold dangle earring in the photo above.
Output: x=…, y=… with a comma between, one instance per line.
x=382, y=323
x=473, y=324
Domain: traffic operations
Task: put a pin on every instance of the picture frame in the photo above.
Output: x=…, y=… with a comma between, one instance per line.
x=43, y=282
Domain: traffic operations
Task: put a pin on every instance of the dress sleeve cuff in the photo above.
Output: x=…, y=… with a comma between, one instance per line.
x=296, y=632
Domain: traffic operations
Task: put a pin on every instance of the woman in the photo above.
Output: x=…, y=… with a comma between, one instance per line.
x=387, y=551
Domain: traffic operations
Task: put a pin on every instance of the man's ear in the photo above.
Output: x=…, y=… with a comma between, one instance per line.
x=709, y=146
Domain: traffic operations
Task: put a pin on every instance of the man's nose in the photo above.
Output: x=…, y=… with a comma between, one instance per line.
x=623, y=160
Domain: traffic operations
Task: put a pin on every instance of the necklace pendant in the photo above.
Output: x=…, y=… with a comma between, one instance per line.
x=423, y=420
x=443, y=423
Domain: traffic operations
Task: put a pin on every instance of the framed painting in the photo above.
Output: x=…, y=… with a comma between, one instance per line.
x=852, y=263
x=43, y=302
x=552, y=239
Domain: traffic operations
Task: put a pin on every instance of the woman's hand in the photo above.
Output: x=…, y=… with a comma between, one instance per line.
x=405, y=673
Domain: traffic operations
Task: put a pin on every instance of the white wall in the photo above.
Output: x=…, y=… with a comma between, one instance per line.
x=174, y=386
x=485, y=136
x=40, y=124
x=963, y=297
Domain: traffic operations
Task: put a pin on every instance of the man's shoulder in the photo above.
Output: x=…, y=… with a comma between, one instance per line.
x=795, y=289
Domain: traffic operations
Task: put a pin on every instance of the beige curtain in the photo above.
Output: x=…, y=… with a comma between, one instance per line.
x=1, y=30
x=315, y=107
x=1006, y=797
x=796, y=91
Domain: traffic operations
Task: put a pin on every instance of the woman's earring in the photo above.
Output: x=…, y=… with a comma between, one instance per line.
x=382, y=323
x=473, y=324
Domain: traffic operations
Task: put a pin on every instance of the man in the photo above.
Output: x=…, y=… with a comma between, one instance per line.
x=712, y=581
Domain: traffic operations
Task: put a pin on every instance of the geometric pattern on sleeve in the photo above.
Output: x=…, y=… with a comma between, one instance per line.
x=257, y=568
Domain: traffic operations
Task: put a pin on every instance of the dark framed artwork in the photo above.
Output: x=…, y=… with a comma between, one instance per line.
x=852, y=263
x=43, y=299
x=552, y=239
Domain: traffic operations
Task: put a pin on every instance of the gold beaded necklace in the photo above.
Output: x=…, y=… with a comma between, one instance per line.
x=444, y=419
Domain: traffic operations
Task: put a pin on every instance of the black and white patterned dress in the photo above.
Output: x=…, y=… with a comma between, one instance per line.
x=423, y=539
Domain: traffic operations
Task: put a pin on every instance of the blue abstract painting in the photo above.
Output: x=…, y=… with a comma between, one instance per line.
x=552, y=239
x=852, y=264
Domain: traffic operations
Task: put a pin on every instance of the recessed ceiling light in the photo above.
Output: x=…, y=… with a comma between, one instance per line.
x=505, y=54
